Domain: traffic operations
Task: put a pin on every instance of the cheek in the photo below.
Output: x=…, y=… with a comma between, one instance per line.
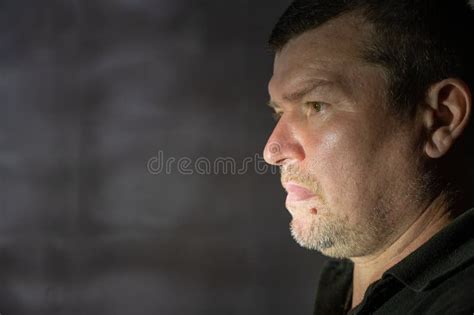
x=341, y=160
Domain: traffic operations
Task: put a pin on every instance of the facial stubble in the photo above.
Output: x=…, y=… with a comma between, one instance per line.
x=333, y=233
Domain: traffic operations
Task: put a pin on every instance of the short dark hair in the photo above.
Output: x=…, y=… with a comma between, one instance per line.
x=418, y=42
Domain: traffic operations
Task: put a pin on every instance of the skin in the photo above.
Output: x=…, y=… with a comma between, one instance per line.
x=367, y=167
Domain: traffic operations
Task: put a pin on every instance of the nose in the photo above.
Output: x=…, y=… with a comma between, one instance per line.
x=283, y=146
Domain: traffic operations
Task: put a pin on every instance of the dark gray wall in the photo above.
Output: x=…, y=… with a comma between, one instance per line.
x=90, y=91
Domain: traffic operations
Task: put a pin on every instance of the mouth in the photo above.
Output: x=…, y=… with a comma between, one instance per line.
x=297, y=192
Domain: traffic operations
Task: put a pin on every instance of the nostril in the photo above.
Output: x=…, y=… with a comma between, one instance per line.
x=280, y=162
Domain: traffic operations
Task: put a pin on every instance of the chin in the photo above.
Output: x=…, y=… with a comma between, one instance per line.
x=330, y=238
x=303, y=233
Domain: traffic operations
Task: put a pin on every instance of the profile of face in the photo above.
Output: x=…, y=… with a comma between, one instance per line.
x=351, y=168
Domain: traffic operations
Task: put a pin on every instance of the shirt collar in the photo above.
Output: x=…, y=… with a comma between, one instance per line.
x=446, y=252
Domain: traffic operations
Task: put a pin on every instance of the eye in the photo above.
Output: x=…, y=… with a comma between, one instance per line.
x=316, y=106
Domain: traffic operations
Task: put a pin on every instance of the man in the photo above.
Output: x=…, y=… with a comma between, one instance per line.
x=373, y=101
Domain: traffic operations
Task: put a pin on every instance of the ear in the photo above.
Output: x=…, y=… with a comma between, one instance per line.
x=448, y=110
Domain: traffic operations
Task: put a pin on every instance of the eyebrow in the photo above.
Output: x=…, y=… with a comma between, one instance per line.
x=294, y=96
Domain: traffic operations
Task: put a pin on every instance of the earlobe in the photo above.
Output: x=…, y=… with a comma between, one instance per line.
x=447, y=115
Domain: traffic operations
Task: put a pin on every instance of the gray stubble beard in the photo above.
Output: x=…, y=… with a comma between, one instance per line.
x=335, y=237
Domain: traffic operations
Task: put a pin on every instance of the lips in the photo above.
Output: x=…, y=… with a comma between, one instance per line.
x=297, y=193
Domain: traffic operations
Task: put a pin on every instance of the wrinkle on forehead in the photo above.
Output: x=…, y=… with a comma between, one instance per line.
x=338, y=41
x=295, y=78
x=331, y=52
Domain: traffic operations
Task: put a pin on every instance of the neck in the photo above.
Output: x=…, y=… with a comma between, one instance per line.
x=369, y=269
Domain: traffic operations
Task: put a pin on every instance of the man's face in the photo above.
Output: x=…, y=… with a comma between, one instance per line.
x=351, y=168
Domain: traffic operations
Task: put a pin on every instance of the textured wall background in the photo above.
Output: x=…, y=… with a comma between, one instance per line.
x=90, y=91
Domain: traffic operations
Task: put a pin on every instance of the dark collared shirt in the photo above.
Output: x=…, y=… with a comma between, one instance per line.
x=437, y=278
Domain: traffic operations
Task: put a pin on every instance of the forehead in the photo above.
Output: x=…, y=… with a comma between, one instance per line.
x=331, y=52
